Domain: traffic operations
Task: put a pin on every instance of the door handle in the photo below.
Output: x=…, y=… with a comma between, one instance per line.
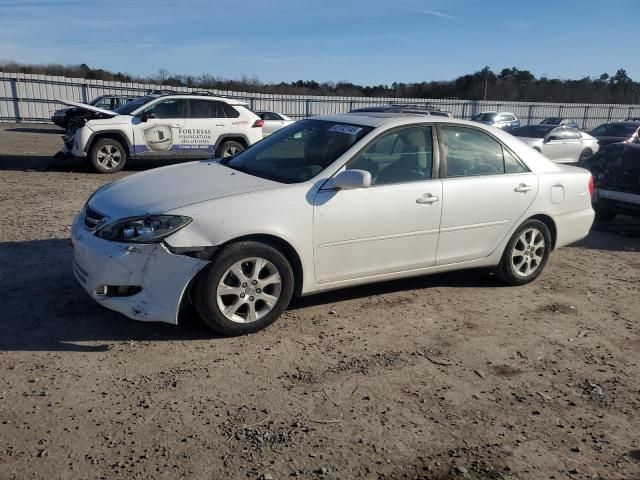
x=522, y=188
x=427, y=199
x=219, y=124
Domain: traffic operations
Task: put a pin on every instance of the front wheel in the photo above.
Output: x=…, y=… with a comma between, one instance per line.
x=526, y=253
x=245, y=289
x=108, y=155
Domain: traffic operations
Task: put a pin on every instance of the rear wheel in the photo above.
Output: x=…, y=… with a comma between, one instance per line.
x=108, y=155
x=526, y=253
x=586, y=153
x=229, y=149
x=245, y=289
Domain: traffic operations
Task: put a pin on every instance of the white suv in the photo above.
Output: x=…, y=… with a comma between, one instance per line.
x=161, y=126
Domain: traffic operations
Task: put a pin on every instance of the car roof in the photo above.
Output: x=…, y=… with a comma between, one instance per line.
x=376, y=119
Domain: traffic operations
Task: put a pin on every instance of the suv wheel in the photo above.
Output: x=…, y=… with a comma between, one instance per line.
x=108, y=155
x=229, y=149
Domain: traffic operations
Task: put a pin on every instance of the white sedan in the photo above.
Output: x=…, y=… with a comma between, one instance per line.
x=328, y=202
x=560, y=144
x=273, y=121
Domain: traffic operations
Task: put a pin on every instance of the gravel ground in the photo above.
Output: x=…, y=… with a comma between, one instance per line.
x=442, y=377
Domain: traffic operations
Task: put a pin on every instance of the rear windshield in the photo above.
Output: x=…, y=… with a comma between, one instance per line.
x=552, y=121
x=615, y=130
x=134, y=105
x=298, y=152
x=532, y=131
x=485, y=117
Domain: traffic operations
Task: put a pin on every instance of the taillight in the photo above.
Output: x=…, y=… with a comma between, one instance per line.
x=592, y=187
x=258, y=123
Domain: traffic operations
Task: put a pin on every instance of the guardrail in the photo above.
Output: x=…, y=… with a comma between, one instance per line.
x=33, y=98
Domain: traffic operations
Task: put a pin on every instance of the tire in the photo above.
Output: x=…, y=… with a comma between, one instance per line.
x=233, y=299
x=586, y=154
x=108, y=155
x=604, y=214
x=535, y=252
x=229, y=148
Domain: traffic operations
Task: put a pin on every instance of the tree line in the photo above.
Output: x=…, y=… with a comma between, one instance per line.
x=510, y=84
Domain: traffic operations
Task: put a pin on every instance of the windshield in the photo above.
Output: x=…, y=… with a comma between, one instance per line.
x=299, y=152
x=532, y=131
x=615, y=130
x=96, y=100
x=485, y=117
x=134, y=105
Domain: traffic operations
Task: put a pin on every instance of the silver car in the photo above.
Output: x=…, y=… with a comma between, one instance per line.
x=273, y=121
x=560, y=144
x=503, y=120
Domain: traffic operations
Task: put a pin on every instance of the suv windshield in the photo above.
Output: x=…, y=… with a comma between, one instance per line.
x=134, y=105
x=299, y=152
x=533, y=131
x=485, y=117
x=615, y=130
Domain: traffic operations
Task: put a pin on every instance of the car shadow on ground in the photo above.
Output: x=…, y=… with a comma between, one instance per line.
x=620, y=235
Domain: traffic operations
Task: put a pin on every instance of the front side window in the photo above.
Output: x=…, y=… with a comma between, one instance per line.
x=298, y=152
x=169, y=108
x=404, y=155
x=271, y=116
x=469, y=152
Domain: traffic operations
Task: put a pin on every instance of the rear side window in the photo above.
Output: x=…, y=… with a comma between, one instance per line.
x=205, y=109
x=573, y=134
x=469, y=152
x=271, y=116
x=229, y=111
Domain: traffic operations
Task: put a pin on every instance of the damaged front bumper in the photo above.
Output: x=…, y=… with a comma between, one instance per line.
x=142, y=281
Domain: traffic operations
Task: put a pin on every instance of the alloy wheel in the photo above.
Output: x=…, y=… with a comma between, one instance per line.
x=230, y=151
x=249, y=290
x=109, y=156
x=528, y=252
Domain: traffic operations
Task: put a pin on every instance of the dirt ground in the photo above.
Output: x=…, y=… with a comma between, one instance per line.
x=443, y=377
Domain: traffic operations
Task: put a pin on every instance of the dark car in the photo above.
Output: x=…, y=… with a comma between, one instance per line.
x=414, y=109
x=63, y=116
x=613, y=132
x=616, y=173
x=560, y=121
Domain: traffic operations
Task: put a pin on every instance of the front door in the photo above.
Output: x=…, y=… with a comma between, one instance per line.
x=485, y=191
x=156, y=130
x=392, y=226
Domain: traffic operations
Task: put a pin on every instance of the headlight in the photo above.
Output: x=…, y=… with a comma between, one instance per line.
x=147, y=229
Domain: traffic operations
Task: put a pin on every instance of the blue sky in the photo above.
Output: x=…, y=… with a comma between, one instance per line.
x=363, y=41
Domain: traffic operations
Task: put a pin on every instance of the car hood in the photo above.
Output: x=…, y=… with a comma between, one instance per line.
x=164, y=189
x=89, y=108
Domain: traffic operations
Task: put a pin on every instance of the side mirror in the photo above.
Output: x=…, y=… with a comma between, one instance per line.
x=146, y=116
x=350, y=179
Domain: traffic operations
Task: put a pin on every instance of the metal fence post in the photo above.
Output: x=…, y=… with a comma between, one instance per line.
x=252, y=103
x=85, y=93
x=530, y=116
x=308, y=107
x=609, y=114
x=17, y=106
x=585, y=116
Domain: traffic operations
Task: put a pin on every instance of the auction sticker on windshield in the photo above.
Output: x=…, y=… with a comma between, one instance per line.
x=348, y=129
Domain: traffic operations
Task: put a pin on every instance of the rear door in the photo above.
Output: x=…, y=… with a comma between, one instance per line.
x=156, y=131
x=485, y=191
x=272, y=123
x=204, y=124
